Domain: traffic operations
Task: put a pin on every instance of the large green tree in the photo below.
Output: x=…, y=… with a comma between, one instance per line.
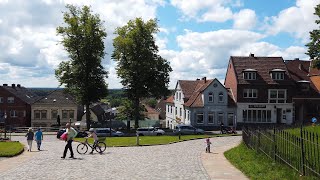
x=143, y=72
x=83, y=75
x=314, y=44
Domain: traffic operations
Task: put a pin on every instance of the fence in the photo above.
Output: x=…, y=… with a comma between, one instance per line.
x=301, y=153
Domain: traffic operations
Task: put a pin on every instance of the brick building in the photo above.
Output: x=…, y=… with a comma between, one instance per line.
x=262, y=88
x=15, y=105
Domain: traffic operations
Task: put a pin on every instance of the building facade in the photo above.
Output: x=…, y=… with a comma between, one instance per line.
x=15, y=105
x=204, y=103
x=56, y=106
x=262, y=89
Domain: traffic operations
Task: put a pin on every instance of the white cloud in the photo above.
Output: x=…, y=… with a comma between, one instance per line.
x=245, y=19
x=297, y=20
x=29, y=45
x=209, y=10
x=207, y=54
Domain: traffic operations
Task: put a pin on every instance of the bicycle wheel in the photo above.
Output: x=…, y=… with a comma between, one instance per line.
x=101, y=147
x=82, y=148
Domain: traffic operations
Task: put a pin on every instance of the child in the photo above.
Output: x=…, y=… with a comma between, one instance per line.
x=95, y=137
x=208, y=145
x=29, y=136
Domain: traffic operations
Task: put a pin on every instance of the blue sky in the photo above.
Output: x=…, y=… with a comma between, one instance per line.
x=196, y=37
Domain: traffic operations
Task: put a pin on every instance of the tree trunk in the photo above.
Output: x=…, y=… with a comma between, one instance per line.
x=88, y=116
x=136, y=112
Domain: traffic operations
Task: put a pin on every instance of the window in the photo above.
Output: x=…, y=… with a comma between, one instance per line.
x=221, y=97
x=220, y=117
x=54, y=114
x=176, y=111
x=211, y=118
x=256, y=116
x=36, y=114
x=43, y=114
x=277, y=75
x=230, y=119
x=179, y=96
x=171, y=109
x=13, y=113
x=1, y=99
x=180, y=112
x=71, y=114
x=10, y=99
x=188, y=115
x=250, y=93
x=200, y=118
x=249, y=75
x=277, y=95
x=64, y=114
x=210, y=97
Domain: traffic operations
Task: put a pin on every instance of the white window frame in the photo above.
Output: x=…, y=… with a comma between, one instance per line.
x=210, y=97
x=249, y=75
x=200, y=114
x=10, y=100
x=249, y=93
x=13, y=113
x=277, y=99
x=277, y=75
x=256, y=115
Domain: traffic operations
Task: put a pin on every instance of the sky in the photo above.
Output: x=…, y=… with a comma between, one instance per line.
x=197, y=37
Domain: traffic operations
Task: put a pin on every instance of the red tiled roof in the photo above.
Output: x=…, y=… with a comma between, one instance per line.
x=170, y=99
x=299, y=71
x=150, y=110
x=194, y=99
x=263, y=66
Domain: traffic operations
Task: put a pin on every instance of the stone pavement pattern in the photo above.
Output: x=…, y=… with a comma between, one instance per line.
x=174, y=161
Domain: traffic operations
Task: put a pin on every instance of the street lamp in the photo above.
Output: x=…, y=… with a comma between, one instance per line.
x=5, y=126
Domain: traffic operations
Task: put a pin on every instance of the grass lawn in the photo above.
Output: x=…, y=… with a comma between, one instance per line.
x=258, y=166
x=296, y=131
x=9, y=149
x=148, y=140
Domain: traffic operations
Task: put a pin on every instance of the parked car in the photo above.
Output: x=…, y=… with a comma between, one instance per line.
x=187, y=129
x=80, y=133
x=149, y=131
x=104, y=132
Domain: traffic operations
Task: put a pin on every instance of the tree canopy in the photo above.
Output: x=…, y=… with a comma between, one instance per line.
x=314, y=44
x=143, y=72
x=83, y=74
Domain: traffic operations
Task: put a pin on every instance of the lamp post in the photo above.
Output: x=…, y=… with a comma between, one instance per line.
x=5, y=126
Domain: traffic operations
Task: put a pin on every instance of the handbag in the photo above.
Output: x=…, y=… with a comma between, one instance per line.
x=64, y=136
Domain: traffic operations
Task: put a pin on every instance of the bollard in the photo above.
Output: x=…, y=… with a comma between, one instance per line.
x=179, y=135
x=137, y=139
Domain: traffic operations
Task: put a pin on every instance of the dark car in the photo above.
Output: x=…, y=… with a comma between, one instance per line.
x=79, y=135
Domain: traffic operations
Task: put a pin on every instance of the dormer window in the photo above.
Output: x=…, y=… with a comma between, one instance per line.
x=277, y=74
x=250, y=74
x=210, y=97
x=304, y=85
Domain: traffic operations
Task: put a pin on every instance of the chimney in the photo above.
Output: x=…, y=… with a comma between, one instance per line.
x=13, y=86
x=197, y=79
x=296, y=59
x=251, y=55
x=300, y=67
x=5, y=84
x=18, y=85
x=205, y=79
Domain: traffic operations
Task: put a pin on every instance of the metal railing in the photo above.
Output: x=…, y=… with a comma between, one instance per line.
x=301, y=153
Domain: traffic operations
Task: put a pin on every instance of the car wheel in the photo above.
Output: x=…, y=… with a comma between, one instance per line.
x=198, y=133
x=141, y=135
x=159, y=134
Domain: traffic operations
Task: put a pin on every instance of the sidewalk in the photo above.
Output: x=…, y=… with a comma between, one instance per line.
x=217, y=166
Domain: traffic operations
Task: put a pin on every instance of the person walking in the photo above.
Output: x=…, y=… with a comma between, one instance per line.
x=222, y=128
x=38, y=137
x=71, y=133
x=208, y=143
x=29, y=136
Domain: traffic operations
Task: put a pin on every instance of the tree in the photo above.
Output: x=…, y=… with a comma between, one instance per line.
x=143, y=72
x=83, y=75
x=314, y=44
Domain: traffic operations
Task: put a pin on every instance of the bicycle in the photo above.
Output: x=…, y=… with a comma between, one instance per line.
x=82, y=148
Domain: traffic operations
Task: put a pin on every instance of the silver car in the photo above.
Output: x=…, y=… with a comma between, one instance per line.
x=187, y=129
x=150, y=131
x=104, y=132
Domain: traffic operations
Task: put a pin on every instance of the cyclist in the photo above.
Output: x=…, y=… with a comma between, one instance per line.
x=95, y=137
